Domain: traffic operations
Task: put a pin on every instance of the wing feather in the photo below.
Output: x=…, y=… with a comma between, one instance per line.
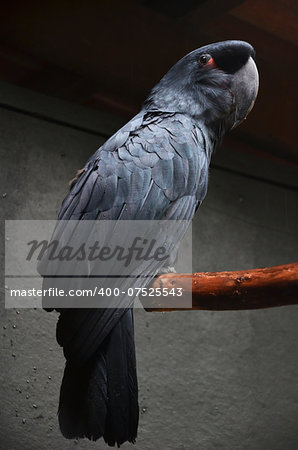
x=151, y=169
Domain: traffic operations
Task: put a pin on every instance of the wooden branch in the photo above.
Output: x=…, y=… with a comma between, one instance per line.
x=240, y=290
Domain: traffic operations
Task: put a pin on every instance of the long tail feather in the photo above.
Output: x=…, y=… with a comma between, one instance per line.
x=100, y=398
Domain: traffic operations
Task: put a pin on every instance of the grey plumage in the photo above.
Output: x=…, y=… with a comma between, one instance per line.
x=171, y=163
x=155, y=167
x=164, y=186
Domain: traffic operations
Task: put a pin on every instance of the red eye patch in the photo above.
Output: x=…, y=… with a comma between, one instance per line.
x=211, y=63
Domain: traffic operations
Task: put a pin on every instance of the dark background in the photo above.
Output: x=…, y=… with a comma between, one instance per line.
x=109, y=54
x=70, y=74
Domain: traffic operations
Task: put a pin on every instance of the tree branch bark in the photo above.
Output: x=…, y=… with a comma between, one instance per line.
x=237, y=290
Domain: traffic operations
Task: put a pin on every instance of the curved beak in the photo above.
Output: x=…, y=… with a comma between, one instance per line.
x=245, y=87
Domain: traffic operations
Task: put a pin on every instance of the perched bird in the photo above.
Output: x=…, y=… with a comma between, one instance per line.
x=155, y=167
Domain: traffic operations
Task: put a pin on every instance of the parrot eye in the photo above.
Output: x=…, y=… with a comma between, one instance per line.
x=204, y=59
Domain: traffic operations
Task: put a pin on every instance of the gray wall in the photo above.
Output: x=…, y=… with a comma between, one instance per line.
x=207, y=380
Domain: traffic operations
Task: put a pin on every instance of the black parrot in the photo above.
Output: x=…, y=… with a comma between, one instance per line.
x=155, y=167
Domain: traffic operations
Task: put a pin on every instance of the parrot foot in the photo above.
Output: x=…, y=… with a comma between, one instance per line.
x=166, y=269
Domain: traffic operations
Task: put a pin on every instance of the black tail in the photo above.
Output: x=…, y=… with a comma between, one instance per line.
x=100, y=398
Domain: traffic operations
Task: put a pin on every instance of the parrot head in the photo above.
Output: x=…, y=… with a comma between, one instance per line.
x=216, y=84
